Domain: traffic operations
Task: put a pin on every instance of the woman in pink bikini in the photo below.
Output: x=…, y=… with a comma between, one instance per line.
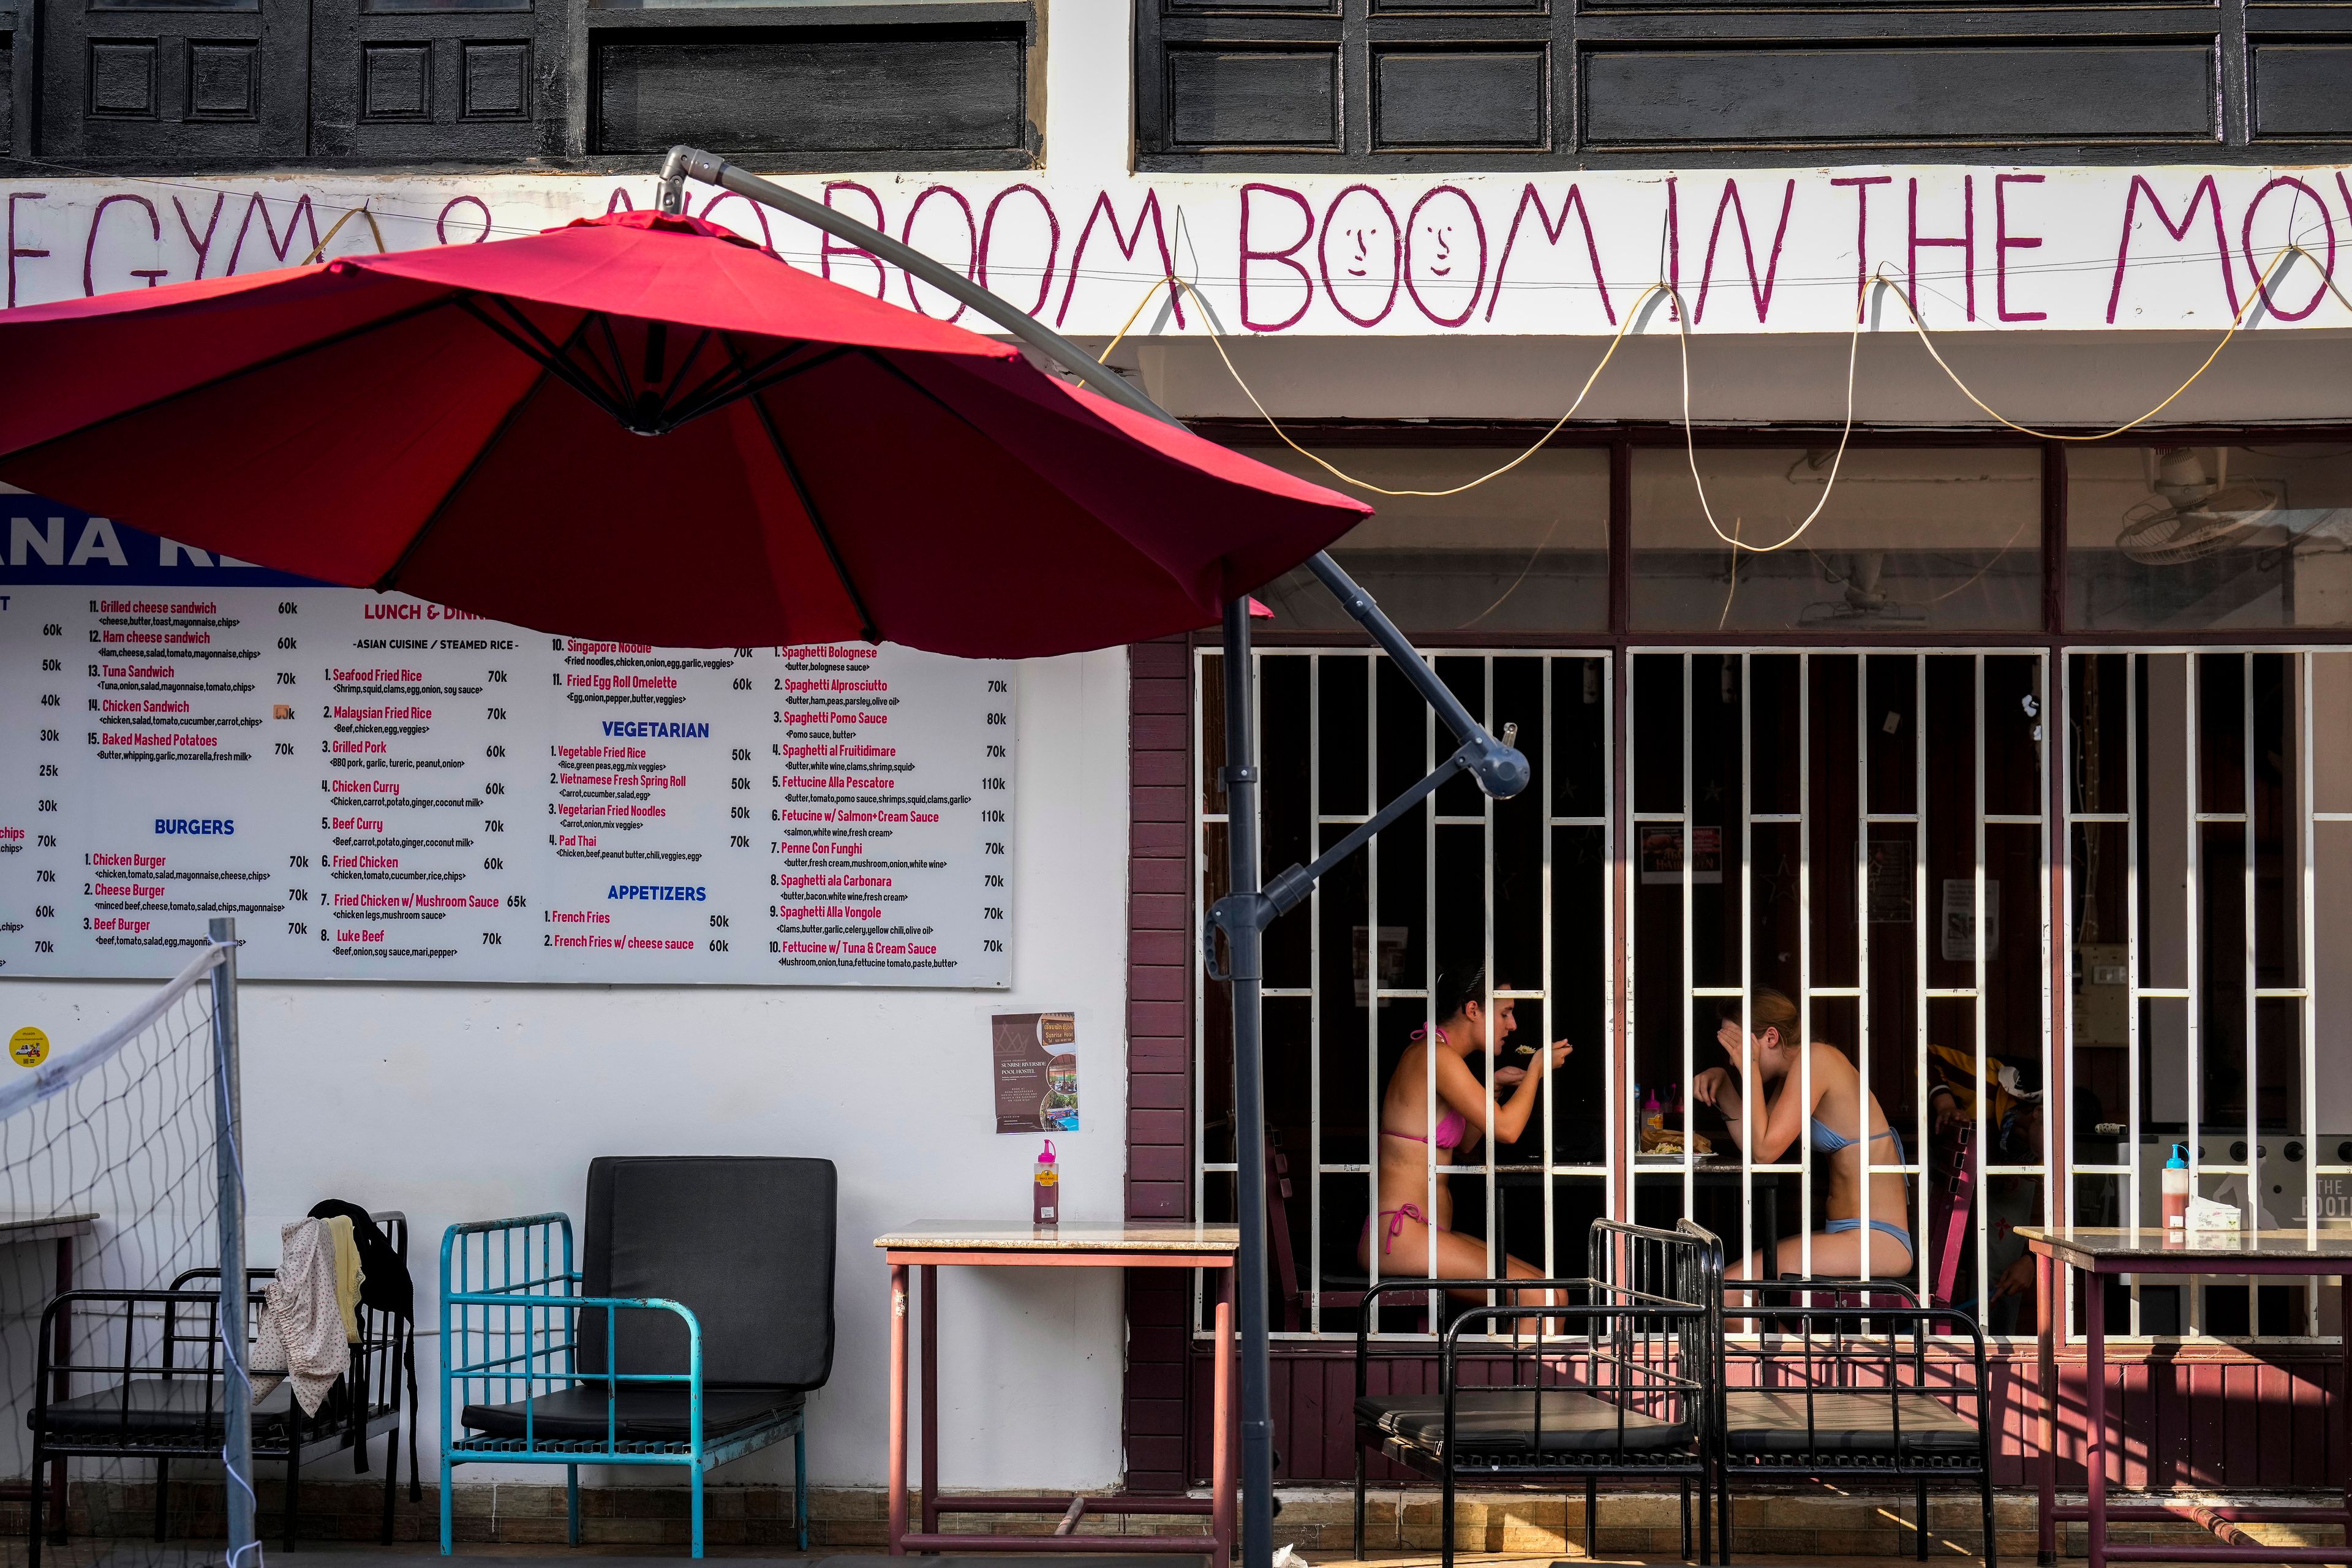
x=1414, y=1133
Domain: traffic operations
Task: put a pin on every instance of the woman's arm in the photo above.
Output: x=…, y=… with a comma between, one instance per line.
x=1791, y=1108
x=1720, y=1087
x=1784, y=1112
x=1460, y=1088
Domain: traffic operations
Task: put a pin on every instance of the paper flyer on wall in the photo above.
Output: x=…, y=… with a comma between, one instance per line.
x=1037, y=1071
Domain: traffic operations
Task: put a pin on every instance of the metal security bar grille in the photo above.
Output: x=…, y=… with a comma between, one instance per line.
x=2210, y=798
x=1870, y=833
x=1835, y=826
x=1863, y=833
x=1515, y=890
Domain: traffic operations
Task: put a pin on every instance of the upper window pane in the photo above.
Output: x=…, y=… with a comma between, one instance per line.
x=1528, y=551
x=1910, y=541
x=2186, y=538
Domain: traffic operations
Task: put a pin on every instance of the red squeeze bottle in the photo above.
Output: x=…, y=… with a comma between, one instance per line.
x=1045, y=1192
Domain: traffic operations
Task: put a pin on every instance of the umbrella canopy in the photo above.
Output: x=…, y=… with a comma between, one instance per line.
x=643, y=428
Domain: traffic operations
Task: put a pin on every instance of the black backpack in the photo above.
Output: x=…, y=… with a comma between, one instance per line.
x=384, y=1287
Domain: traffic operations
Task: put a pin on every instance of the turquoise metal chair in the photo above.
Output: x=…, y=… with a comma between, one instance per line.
x=689, y=1333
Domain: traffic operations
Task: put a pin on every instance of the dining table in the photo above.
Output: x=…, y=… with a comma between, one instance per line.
x=920, y=1250
x=2094, y=1254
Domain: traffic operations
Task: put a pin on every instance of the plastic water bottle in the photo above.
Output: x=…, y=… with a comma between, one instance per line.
x=1045, y=1192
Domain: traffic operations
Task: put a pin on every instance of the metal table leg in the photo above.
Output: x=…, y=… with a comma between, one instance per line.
x=2094, y=1420
x=930, y=1398
x=2046, y=1347
x=1221, y=1444
x=897, y=1410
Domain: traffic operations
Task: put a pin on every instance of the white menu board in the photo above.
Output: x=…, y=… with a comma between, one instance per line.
x=380, y=788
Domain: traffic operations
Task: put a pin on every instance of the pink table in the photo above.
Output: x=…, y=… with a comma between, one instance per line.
x=2095, y=1254
x=1075, y=1244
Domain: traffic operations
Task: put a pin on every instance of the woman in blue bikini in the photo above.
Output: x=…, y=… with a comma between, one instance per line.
x=1415, y=1131
x=1843, y=1126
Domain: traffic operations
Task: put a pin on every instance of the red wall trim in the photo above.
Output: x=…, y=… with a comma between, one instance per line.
x=1160, y=978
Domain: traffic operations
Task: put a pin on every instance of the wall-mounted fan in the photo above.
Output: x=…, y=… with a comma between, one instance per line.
x=2190, y=514
x=1866, y=604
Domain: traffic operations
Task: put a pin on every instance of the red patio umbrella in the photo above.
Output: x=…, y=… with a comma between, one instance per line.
x=456, y=424
x=469, y=425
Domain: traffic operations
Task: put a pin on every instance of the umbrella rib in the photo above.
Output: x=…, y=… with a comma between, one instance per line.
x=728, y=379
x=753, y=388
x=562, y=358
x=620, y=364
x=523, y=322
x=391, y=573
x=865, y=626
x=693, y=353
x=950, y=409
x=331, y=340
x=553, y=360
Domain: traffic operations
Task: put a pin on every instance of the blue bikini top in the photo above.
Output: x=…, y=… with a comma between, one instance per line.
x=1826, y=1140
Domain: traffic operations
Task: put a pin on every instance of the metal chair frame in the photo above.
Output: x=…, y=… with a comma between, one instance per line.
x=1832, y=1340
x=1619, y=1351
x=370, y=1407
x=517, y=1333
x=1685, y=1263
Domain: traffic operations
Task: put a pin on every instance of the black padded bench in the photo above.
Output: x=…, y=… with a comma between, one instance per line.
x=1847, y=1386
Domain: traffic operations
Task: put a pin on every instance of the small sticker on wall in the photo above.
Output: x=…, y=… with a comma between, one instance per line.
x=29, y=1047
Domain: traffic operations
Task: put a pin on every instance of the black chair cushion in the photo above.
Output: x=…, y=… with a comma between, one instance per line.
x=179, y=1406
x=747, y=1244
x=1502, y=1420
x=646, y=1412
x=1772, y=1421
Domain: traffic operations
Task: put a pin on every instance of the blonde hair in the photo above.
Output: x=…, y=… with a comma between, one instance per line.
x=1767, y=1009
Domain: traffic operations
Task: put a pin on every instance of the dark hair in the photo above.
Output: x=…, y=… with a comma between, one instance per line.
x=1767, y=1009
x=1458, y=987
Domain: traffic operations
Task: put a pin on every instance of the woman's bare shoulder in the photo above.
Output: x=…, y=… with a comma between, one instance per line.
x=1412, y=1063
x=1832, y=1063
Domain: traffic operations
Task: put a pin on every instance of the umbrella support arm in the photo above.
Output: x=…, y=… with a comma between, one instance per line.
x=1289, y=888
x=1501, y=770
x=684, y=164
x=1244, y=914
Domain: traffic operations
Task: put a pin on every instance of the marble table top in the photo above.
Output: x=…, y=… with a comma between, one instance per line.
x=1070, y=1235
x=2329, y=1247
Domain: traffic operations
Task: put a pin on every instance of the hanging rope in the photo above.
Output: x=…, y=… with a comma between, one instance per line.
x=1217, y=340
x=2261, y=292
x=1878, y=279
x=337, y=227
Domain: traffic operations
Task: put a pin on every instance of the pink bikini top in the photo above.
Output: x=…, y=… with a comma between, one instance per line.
x=1449, y=1130
x=1451, y=1127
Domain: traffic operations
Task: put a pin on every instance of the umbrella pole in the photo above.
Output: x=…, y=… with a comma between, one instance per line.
x=1247, y=909
x=1247, y=940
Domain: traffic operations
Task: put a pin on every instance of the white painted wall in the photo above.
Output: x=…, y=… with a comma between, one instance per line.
x=470, y=1102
